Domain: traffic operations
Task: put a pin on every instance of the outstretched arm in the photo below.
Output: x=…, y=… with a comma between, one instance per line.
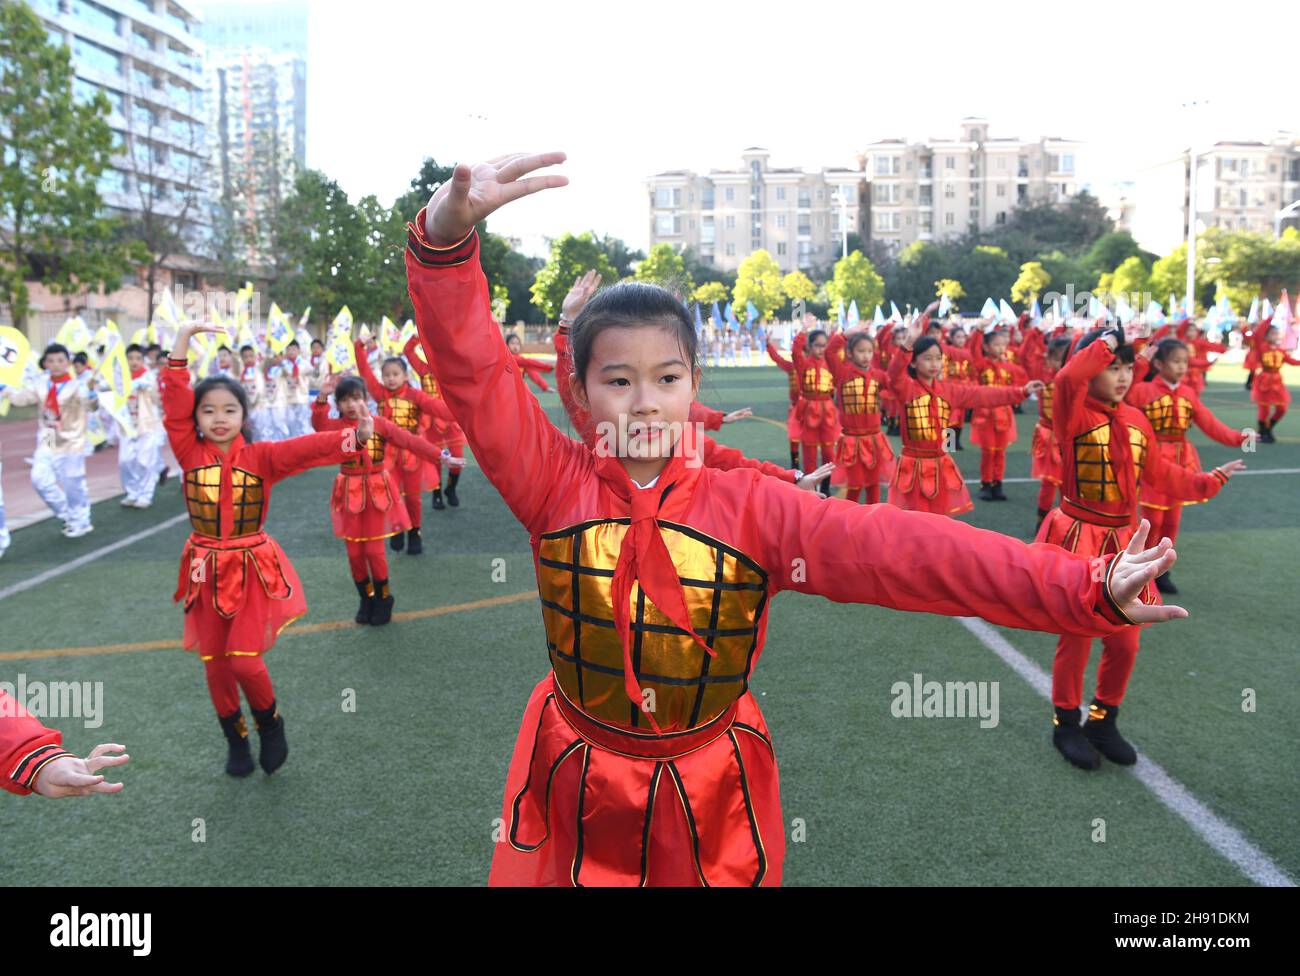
x=377, y=390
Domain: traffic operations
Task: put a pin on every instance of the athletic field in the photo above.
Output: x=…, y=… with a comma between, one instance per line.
x=405, y=788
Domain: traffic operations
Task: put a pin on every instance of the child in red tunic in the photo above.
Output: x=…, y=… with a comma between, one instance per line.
x=926, y=477
x=447, y=437
x=238, y=587
x=1269, y=389
x=533, y=368
x=366, y=504
x=406, y=407
x=993, y=429
x=863, y=458
x=1171, y=404
x=1107, y=452
x=819, y=419
x=642, y=757
x=1041, y=359
x=792, y=428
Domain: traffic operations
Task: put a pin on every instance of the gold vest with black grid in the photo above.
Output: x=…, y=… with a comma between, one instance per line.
x=725, y=593
x=860, y=395
x=816, y=379
x=203, y=501
x=402, y=412
x=375, y=448
x=428, y=384
x=1170, y=415
x=920, y=425
x=1272, y=360
x=1046, y=397
x=1093, y=471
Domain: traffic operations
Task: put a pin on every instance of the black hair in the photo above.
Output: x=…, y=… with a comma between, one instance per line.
x=51, y=349
x=1060, y=346
x=631, y=303
x=317, y=342
x=349, y=387
x=246, y=346
x=398, y=360
x=153, y=347
x=989, y=336
x=923, y=344
x=1123, y=351
x=223, y=348
x=81, y=358
x=293, y=342
x=1167, y=346
x=135, y=347
x=513, y=335
x=856, y=338
x=812, y=336
x=206, y=386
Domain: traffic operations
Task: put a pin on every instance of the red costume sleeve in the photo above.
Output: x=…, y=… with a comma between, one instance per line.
x=726, y=458
x=1072, y=381
x=1215, y=428
x=514, y=442
x=969, y=396
x=26, y=746
x=1174, y=479
x=321, y=419
x=710, y=418
x=415, y=356
x=431, y=405
x=774, y=354
x=578, y=417
x=927, y=563
x=178, y=412
x=897, y=372
x=796, y=350
x=836, y=360
x=419, y=446
x=377, y=389
x=277, y=460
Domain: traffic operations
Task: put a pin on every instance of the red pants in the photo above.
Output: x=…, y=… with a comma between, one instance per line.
x=226, y=675
x=1279, y=411
x=1118, y=654
x=368, y=560
x=810, y=456
x=993, y=464
x=412, y=483
x=1046, y=496
x=873, y=494
x=1164, y=522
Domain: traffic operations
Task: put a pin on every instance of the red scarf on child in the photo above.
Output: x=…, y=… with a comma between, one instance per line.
x=52, y=395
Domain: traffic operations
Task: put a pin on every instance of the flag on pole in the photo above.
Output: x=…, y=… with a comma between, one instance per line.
x=751, y=313
x=1266, y=310
x=1155, y=315
x=699, y=322
x=854, y=318
x=716, y=317
x=1253, y=315
x=945, y=305
x=339, y=353
x=278, y=333
x=894, y=314
x=14, y=350
x=342, y=323
x=115, y=371
x=878, y=320
x=990, y=310
x=390, y=337
x=1036, y=313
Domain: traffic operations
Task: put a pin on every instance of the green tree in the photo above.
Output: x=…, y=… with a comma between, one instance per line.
x=664, y=266
x=1111, y=250
x=1132, y=278
x=1033, y=279
x=855, y=279
x=621, y=257
x=758, y=280
x=710, y=292
x=798, y=287
x=322, y=249
x=54, y=150
x=571, y=255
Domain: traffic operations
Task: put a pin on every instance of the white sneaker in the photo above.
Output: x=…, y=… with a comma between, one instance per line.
x=128, y=503
x=141, y=503
x=78, y=533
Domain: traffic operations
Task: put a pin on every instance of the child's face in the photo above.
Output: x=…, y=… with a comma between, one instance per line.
x=817, y=346
x=393, y=375
x=135, y=360
x=219, y=416
x=1110, y=385
x=352, y=407
x=317, y=348
x=223, y=359
x=291, y=351
x=1274, y=335
x=929, y=364
x=514, y=344
x=56, y=363
x=1174, y=366
x=998, y=345
x=1054, y=360
x=863, y=350
x=248, y=357
x=958, y=338
x=638, y=380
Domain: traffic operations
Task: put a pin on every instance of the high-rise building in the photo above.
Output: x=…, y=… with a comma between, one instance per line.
x=144, y=57
x=257, y=85
x=800, y=218
x=943, y=188
x=899, y=192
x=1246, y=185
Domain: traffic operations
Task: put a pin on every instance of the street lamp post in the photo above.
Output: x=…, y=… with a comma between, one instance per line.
x=1189, y=298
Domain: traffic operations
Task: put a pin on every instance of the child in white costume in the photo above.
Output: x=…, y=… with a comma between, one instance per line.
x=59, y=465
x=140, y=458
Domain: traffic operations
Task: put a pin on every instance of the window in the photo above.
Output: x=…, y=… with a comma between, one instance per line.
x=805, y=228
x=780, y=193
x=908, y=194
x=950, y=162
x=1001, y=217
x=926, y=221
x=730, y=194
x=888, y=221
x=888, y=166
x=821, y=194
x=690, y=197
x=143, y=118
x=949, y=219
x=926, y=196
x=95, y=16
x=731, y=222
x=98, y=58
x=755, y=170
x=666, y=197
x=805, y=197
x=886, y=193
x=731, y=250
x=780, y=221
x=707, y=231
x=1243, y=203
x=780, y=248
x=667, y=225
x=112, y=181
x=707, y=201
x=949, y=191
x=1002, y=189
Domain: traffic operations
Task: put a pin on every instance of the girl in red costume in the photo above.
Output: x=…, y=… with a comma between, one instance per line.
x=447, y=437
x=642, y=756
x=863, y=458
x=793, y=430
x=238, y=586
x=1107, y=451
x=366, y=503
x=1041, y=360
x=819, y=419
x=926, y=478
x=32, y=761
x=1172, y=405
x=956, y=369
x=993, y=429
x=1269, y=390
x=406, y=407
x=533, y=368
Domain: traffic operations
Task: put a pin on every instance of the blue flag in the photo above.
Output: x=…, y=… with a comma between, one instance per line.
x=751, y=313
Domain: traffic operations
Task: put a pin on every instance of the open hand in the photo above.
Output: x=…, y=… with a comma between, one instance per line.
x=1134, y=568
x=70, y=776
x=812, y=479
x=584, y=286
x=735, y=415
x=474, y=192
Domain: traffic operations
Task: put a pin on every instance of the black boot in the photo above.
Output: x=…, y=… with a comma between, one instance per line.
x=239, y=761
x=438, y=504
x=1042, y=514
x=452, y=480
x=1070, y=741
x=794, y=457
x=1101, y=731
x=998, y=495
x=956, y=431
x=270, y=730
x=1164, y=584
x=397, y=542
x=414, y=544
x=383, y=611
x=367, y=591
x=1250, y=379
x=986, y=491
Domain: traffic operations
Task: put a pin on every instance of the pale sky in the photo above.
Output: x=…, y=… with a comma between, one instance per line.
x=628, y=90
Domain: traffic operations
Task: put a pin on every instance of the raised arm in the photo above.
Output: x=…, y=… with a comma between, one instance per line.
x=377, y=390
x=278, y=460
x=968, y=396
x=1072, y=381
x=774, y=354
x=415, y=356
x=178, y=411
x=578, y=417
x=418, y=446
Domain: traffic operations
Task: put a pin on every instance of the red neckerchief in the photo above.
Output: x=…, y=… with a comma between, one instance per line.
x=138, y=372
x=294, y=363
x=52, y=394
x=644, y=557
x=248, y=373
x=1121, y=451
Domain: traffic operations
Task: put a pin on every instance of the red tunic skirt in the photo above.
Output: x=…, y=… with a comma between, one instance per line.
x=1181, y=452
x=238, y=594
x=367, y=505
x=929, y=483
x=819, y=421
x=1269, y=389
x=993, y=427
x=863, y=459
